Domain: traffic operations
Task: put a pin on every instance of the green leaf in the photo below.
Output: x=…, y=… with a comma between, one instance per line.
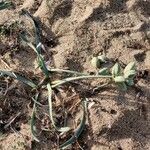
x=130, y=66
x=40, y=58
x=78, y=130
x=122, y=86
x=60, y=129
x=38, y=43
x=130, y=74
x=130, y=82
x=36, y=29
x=103, y=71
x=33, y=116
x=119, y=79
x=18, y=77
x=95, y=62
x=116, y=70
x=4, y=5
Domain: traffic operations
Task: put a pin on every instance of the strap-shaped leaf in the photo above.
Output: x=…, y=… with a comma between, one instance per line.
x=32, y=124
x=40, y=58
x=78, y=130
x=36, y=29
x=38, y=43
x=130, y=66
x=116, y=70
x=18, y=77
x=60, y=129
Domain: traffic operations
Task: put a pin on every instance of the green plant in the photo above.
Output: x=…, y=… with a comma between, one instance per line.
x=121, y=78
x=5, y=4
x=125, y=79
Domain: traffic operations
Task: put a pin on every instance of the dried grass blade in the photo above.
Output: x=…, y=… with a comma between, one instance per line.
x=32, y=124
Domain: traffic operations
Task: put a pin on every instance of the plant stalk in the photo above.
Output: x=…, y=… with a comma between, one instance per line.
x=67, y=71
x=63, y=81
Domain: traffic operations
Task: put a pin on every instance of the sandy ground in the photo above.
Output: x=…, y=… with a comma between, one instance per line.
x=72, y=32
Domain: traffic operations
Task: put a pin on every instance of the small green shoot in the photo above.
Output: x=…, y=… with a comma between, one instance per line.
x=116, y=74
x=123, y=79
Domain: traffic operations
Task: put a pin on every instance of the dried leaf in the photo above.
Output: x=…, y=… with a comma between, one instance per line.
x=32, y=124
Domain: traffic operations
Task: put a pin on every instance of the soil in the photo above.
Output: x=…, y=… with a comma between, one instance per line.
x=72, y=31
